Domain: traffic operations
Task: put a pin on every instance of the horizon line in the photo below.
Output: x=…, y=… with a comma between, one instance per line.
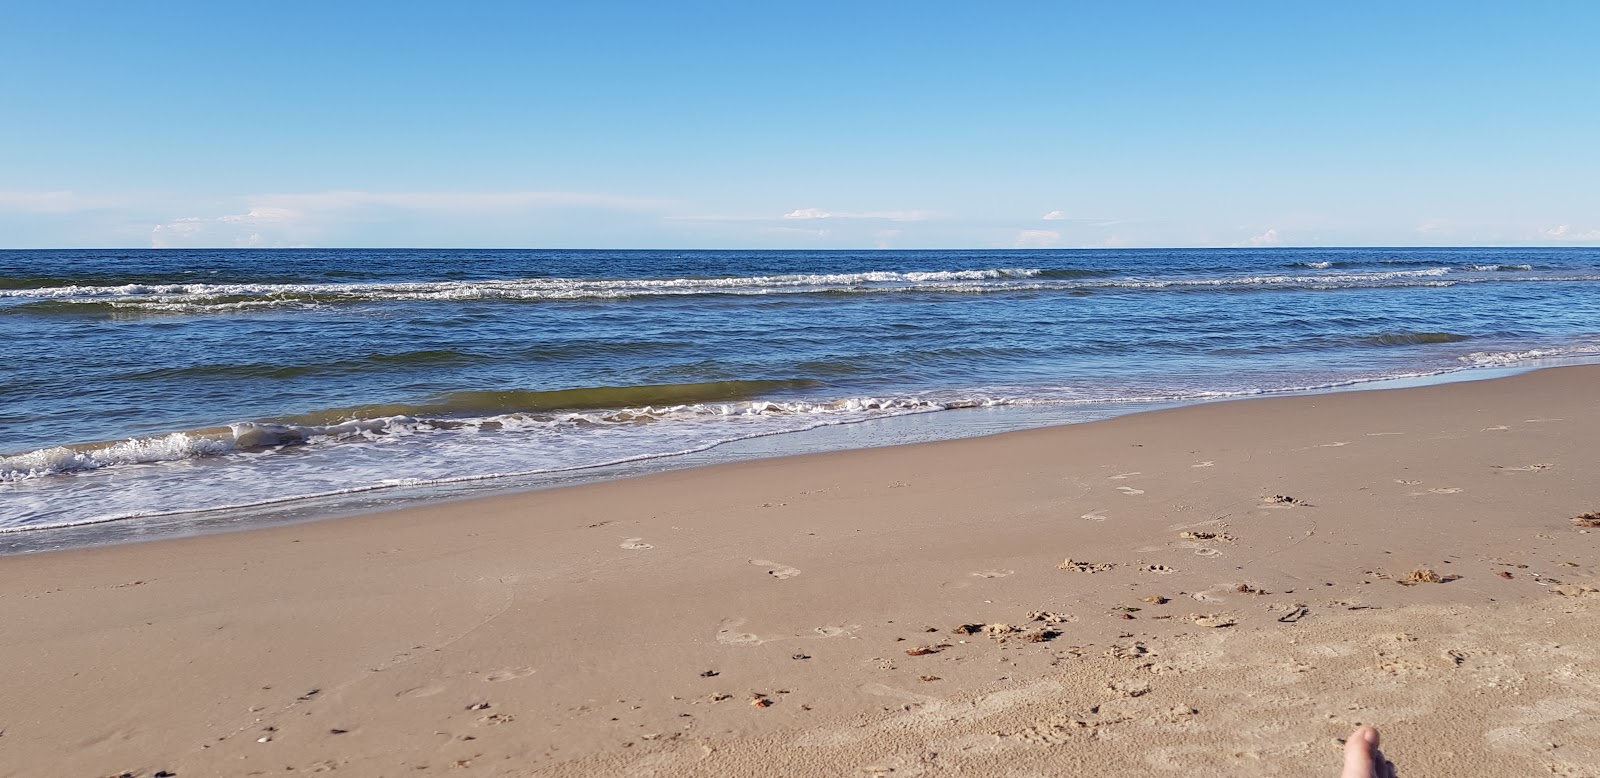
x=873, y=249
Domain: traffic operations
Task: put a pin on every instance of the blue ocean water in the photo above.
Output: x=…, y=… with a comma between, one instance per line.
x=139, y=385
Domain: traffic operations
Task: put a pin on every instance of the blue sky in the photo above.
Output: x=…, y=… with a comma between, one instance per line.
x=814, y=125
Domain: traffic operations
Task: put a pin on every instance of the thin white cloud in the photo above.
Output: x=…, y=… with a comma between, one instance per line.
x=260, y=215
x=304, y=218
x=1086, y=221
x=56, y=202
x=1268, y=238
x=816, y=232
x=437, y=201
x=808, y=213
x=1566, y=234
x=1036, y=239
x=818, y=213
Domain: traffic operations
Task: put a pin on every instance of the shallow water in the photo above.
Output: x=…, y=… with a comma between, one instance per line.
x=172, y=383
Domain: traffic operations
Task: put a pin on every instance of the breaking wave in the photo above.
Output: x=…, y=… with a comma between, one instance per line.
x=510, y=411
x=209, y=297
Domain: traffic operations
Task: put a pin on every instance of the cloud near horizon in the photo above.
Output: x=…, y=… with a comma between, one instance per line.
x=301, y=219
x=547, y=219
x=1263, y=240
x=1565, y=234
x=894, y=216
x=1036, y=239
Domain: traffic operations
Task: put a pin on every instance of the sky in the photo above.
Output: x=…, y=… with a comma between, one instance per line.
x=798, y=125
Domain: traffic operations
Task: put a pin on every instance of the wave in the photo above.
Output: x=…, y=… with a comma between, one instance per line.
x=1510, y=358
x=646, y=398
x=140, y=299
x=1341, y=264
x=353, y=364
x=473, y=411
x=595, y=407
x=1408, y=262
x=1411, y=338
x=1321, y=342
x=521, y=286
x=451, y=450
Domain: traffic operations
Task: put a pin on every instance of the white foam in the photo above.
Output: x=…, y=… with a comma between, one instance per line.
x=513, y=288
x=232, y=297
x=1506, y=358
x=243, y=436
x=246, y=467
x=50, y=461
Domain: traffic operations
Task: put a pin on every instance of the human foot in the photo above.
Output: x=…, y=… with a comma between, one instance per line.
x=1362, y=759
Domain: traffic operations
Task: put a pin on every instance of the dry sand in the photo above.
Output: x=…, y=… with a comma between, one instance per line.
x=1233, y=605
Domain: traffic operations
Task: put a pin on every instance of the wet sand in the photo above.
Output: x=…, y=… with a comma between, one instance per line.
x=1221, y=589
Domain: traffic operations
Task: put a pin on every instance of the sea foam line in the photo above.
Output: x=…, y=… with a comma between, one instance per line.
x=907, y=408
x=262, y=436
x=477, y=477
x=247, y=436
x=218, y=297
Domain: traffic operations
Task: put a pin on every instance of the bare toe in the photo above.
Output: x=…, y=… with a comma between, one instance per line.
x=1362, y=758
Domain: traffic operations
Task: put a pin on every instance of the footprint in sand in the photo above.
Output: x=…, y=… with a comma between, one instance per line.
x=1207, y=463
x=778, y=571
x=994, y=573
x=509, y=675
x=1207, y=552
x=1094, y=516
x=1130, y=491
x=1406, y=481
x=634, y=544
x=1526, y=468
x=727, y=635
x=1444, y=490
x=1122, y=476
x=422, y=691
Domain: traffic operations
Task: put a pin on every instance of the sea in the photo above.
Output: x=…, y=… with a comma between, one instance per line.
x=147, y=393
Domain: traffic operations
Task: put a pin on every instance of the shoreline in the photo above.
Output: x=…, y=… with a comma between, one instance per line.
x=384, y=498
x=772, y=615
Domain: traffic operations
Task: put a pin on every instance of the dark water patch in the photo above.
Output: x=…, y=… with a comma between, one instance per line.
x=1325, y=342
x=58, y=308
x=477, y=403
x=429, y=357
x=1409, y=262
x=115, y=280
x=136, y=307
x=838, y=366
x=1325, y=265
x=262, y=370
x=596, y=348
x=1411, y=338
x=230, y=372
x=1078, y=273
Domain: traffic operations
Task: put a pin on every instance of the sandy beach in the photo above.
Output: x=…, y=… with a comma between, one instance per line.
x=1223, y=589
